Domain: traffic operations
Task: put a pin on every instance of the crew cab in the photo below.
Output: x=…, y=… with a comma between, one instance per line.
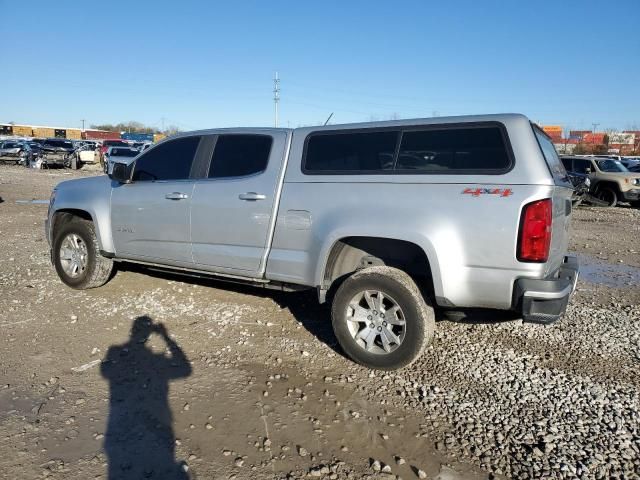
x=386, y=220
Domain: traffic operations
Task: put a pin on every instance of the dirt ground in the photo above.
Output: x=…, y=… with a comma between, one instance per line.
x=160, y=376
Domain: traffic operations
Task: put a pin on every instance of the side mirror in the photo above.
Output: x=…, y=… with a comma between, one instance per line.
x=588, y=170
x=121, y=172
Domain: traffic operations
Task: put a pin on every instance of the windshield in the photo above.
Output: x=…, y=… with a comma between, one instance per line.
x=611, y=166
x=123, y=152
x=54, y=143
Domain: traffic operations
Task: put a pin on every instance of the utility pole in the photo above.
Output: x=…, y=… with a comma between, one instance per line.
x=595, y=125
x=83, y=124
x=276, y=97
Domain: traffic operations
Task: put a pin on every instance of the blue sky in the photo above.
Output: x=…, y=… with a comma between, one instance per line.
x=210, y=64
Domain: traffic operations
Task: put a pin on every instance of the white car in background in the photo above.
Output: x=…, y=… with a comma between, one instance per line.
x=119, y=155
x=87, y=153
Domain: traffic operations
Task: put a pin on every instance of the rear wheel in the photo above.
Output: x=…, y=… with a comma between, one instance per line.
x=76, y=256
x=608, y=195
x=381, y=319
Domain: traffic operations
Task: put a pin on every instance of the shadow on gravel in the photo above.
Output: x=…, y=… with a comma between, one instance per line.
x=303, y=305
x=139, y=440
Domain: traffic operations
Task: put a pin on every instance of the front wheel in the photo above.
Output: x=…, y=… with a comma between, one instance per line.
x=381, y=319
x=76, y=256
x=608, y=196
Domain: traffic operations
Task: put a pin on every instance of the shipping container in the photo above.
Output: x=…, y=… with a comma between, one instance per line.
x=549, y=129
x=621, y=148
x=43, y=132
x=593, y=138
x=100, y=135
x=578, y=134
x=74, y=133
x=138, y=137
x=22, y=130
x=614, y=137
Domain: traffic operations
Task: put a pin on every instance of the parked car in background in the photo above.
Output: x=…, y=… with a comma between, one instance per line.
x=57, y=151
x=112, y=143
x=630, y=162
x=105, y=146
x=35, y=147
x=16, y=152
x=611, y=181
x=579, y=179
x=119, y=155
x=86, y=153
x=385, y=220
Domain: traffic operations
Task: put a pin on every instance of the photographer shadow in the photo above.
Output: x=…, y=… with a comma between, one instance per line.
x=139, y=441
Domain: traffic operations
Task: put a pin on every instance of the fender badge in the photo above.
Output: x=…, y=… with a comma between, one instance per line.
x=476, y=192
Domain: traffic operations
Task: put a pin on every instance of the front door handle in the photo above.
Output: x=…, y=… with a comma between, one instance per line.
x=176, y=196
x=251, y=196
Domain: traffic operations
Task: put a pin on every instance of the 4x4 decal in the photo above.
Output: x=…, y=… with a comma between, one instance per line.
x=476, y=192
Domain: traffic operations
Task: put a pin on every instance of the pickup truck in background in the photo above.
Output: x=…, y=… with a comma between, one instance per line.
x=386, y=220
x=57, y=151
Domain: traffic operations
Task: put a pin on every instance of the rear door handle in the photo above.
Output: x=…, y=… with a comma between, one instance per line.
x=176, y=196
x=251, y=196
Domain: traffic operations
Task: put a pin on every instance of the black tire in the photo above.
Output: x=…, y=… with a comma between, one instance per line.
x=418, y=316
x=98, y=268
x=608, y=195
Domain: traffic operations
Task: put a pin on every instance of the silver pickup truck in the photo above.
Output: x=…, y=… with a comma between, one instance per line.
x=387, y=220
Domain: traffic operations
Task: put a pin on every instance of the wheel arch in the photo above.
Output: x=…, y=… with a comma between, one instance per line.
x=63, y=216
x=349, y=253
x=615, y=186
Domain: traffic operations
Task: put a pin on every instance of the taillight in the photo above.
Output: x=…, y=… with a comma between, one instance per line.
x=535, y=232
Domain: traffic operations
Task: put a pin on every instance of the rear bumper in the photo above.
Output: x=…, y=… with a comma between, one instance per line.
x=544, y=301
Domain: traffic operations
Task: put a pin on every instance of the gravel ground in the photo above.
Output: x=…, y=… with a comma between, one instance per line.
x=234, y=382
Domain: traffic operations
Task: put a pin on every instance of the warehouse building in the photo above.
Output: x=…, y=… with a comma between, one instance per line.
x=36, y=131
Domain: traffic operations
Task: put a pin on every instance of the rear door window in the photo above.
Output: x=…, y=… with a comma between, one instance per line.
x=581, y=166
x=453, y=150
x=345, y=152
x=240, y=155
x=170, y=160
x=551, y=157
